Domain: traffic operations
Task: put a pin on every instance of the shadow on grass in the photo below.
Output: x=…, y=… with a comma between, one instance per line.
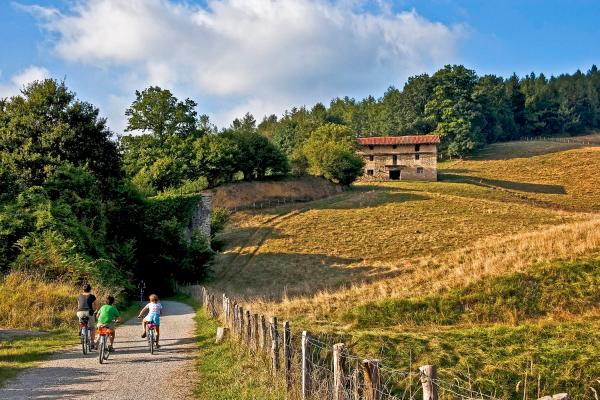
x=511, y=185
x=520, y=149
x=275, y=275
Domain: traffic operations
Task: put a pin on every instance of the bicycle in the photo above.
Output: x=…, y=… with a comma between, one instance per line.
x=85, y=335
x=103, y=351
x=151, y=336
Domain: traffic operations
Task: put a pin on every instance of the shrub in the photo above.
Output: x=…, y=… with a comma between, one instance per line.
x=218, y=218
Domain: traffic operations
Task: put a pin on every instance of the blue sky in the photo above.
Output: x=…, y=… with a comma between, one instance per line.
x=233, y=56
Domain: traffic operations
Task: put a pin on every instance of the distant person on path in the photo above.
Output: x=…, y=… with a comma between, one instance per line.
x=108, y=315
x=154, y=312
x=86, y=303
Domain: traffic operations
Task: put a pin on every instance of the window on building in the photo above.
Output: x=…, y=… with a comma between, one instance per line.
x=371, y=158
x=371, y=147
x=417, y=156
x=419, y=170
x=394, y=146
x=417, y=147
x=370, y=172
x=394, y=159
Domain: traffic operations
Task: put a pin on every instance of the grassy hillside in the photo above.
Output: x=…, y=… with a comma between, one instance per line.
x=493, y=271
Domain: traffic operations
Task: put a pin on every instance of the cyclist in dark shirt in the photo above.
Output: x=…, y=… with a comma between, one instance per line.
x=86, y=303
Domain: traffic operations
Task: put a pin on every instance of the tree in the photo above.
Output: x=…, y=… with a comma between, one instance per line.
x=256, y=156
x=457, y=118
x=496, y=109
x=215, y=156
x=161, y=158
x=157, y=111
x=330, y=152
x=47, y=126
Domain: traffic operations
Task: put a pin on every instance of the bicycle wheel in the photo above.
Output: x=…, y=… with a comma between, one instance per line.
x=101, y=348
x=82, y=336
x=88, y=340
x=151, y=340
x=106, y=352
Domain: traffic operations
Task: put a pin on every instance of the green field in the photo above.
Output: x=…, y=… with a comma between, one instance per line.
x=492, y=271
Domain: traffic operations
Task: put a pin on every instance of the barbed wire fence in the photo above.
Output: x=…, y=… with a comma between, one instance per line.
x=313, y=369
x=568, y=140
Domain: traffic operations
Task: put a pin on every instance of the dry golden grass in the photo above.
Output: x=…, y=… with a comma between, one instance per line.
x=350, y=265
x=490, y=257
x=519, y=204
x=374, y=232
x=27, y=302
x=246, y=193
x=564, y=179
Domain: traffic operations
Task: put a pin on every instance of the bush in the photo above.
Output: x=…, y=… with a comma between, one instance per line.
x=218, y=219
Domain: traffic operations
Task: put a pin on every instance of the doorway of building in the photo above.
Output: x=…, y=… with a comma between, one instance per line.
x=395, y=175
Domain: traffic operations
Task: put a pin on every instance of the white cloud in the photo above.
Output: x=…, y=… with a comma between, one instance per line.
x=252, y=53
x=19, y=80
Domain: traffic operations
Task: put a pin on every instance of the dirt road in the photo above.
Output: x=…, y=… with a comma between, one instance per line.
x=130, y=373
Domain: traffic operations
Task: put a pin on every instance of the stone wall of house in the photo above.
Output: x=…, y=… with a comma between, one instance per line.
x=200, y=221
x=380, y=161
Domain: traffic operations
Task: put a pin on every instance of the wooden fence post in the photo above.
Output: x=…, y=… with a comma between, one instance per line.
x=263, y=333
x=222, y=333
x=356, y=382
x=255, y=333
x=372, y=380
x=306, y=367
x=287, y=353
x=274, y=345
x=339, y=390
x=234, y=319
x=213, y=308
x=428, y=378
x=224, y=307
x=241, y=322
x=248, y=328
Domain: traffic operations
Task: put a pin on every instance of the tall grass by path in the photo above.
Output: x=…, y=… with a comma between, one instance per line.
x=226, y=371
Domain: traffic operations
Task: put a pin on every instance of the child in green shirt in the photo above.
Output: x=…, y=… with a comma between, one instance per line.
x=107, y=316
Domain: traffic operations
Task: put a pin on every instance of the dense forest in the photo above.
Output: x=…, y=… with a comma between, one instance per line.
x=466, y=110
x=78, y=203
x=69, y=213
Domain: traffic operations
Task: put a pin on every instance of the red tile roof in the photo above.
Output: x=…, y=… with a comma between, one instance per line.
x=387, y=140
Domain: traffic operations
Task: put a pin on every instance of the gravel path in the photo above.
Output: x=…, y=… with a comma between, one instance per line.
x=130, y=373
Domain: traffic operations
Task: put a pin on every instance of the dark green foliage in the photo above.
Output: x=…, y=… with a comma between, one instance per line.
x=218, y=219
x=46, y=127
x=257, y=156
x=66, y=211
x=330, y=152
x=164, y=254
x=183, y=150
x=466, y=110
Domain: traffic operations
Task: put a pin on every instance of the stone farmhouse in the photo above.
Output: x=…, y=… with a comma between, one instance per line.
x=399, y=157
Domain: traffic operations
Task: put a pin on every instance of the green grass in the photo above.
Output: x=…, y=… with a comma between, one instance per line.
x=227, y=372
x=565, y=355
x=571, y=288
x=20, y=353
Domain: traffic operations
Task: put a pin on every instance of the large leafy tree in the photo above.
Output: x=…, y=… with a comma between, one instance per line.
x=257, y=155
x=160, y=158
x=46, y=126
x=330, y=152
x=457, y=117
x=496, y=109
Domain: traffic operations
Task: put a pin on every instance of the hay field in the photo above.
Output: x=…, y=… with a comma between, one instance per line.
x=494, y=268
